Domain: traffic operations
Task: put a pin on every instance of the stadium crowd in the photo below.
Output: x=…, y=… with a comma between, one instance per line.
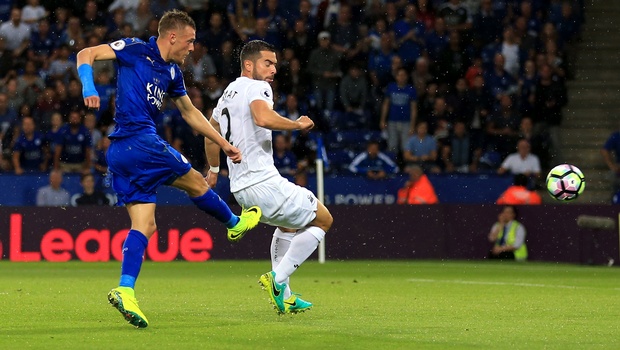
x=450, y=86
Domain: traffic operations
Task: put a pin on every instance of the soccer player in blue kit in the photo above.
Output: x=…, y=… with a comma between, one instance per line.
x=139, y=160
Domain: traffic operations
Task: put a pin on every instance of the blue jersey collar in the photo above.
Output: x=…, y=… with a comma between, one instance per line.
x=154, y=47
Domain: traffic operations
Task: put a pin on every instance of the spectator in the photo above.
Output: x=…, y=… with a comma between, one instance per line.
x=409, y=36
x=422, y=149
x=399, y=111
x=457, y=17
x=460, y=154
x=92, y=19
x=354, y=95
x=89, y=195
x=32, y=13
x=440, y=120
x=521, y=162
x=487, y=25
x=242, y=17
x=421, y=76
x=293, y=80
x=90, y=122
x=283, y=158
x=527, y=88
x=30, y=84
x=453, y=61
x=16, y=32
x=73, y=147
x=508, y=236
x=212, y=93
x=42, y=44
x=498, y=81
x=301, y=41
x=480, y=102
x=373, y=163
x=227, y=63
x=549, y=101
x=6, y=61
x=291, y=108
x=215, y=34
x=502, y=127
x=198, y=65
x=437, y=39
x=380, y=62
x=324, y=66
x=518, y=193
x=344, y=34
x=52, y=135
x=72, y=34
x=275, y=18
x=29, y=152
x=53, y=195
x=261, y=32
x=62, y=68
x=611, y=156
x=540, y=142
x=418, y=189
x=426, y=14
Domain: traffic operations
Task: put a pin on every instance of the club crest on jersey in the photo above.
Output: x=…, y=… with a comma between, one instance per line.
x=172, y=72
x=118, y=45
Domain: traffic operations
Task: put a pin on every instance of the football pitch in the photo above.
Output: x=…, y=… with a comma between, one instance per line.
x=357, y=305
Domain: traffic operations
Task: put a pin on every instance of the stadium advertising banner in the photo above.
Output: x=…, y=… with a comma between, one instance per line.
x=444, y=231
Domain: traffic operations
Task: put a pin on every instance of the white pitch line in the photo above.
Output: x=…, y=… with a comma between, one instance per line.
x=491, y=283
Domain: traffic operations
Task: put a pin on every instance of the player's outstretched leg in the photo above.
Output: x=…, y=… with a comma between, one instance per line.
x=124, y=300
x=295, y=304
x=248, y=219
x=275, y=290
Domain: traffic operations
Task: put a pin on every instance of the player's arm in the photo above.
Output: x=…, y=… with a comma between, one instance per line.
x=85, y=59
x=265, y=117
x=212, y=150
x=198, y=122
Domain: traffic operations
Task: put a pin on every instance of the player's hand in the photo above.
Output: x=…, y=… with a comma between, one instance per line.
x=211, y=179
x=305, y=123
x=92, y=102
x=233, y=153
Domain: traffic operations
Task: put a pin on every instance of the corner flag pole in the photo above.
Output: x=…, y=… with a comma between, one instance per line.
x=320, y=188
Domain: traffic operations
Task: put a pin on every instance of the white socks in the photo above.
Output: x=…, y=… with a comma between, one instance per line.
x=300, y=248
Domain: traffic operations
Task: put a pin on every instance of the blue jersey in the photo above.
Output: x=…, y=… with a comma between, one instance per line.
x=144, y=79
x=31, y=151
x=74, y=145
x=400, y=101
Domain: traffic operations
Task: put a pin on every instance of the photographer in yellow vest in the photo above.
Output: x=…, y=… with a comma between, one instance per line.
x=508, y=236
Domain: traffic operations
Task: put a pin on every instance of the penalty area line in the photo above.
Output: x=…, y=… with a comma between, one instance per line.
x=494, y=283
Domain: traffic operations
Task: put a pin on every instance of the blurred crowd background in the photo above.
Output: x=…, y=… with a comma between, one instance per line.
x=446, y=86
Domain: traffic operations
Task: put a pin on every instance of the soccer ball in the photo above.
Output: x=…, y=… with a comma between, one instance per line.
x=565, y=182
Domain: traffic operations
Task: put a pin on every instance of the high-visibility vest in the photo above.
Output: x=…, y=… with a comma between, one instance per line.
x=517, y=195
x=521, y=252
x=421, y=192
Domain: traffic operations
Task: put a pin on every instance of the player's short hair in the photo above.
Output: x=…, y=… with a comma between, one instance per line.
x=174, y=19
x=251, y=50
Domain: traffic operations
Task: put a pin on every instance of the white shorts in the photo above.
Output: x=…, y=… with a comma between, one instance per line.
x=283, y=203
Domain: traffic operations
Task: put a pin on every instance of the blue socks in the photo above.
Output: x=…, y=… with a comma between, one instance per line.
x=212, y=204
x=133, y=254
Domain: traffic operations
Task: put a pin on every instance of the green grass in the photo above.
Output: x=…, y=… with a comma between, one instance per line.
x=358, y=305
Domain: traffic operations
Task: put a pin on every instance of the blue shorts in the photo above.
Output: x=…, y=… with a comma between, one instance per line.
x=140, y=164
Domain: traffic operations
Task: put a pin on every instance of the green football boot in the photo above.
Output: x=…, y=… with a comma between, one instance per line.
x=123, y=300
x=248, y=219
x=294, y=304
x=276, y=291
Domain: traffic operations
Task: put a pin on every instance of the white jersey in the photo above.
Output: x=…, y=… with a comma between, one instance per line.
x=237, y=126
